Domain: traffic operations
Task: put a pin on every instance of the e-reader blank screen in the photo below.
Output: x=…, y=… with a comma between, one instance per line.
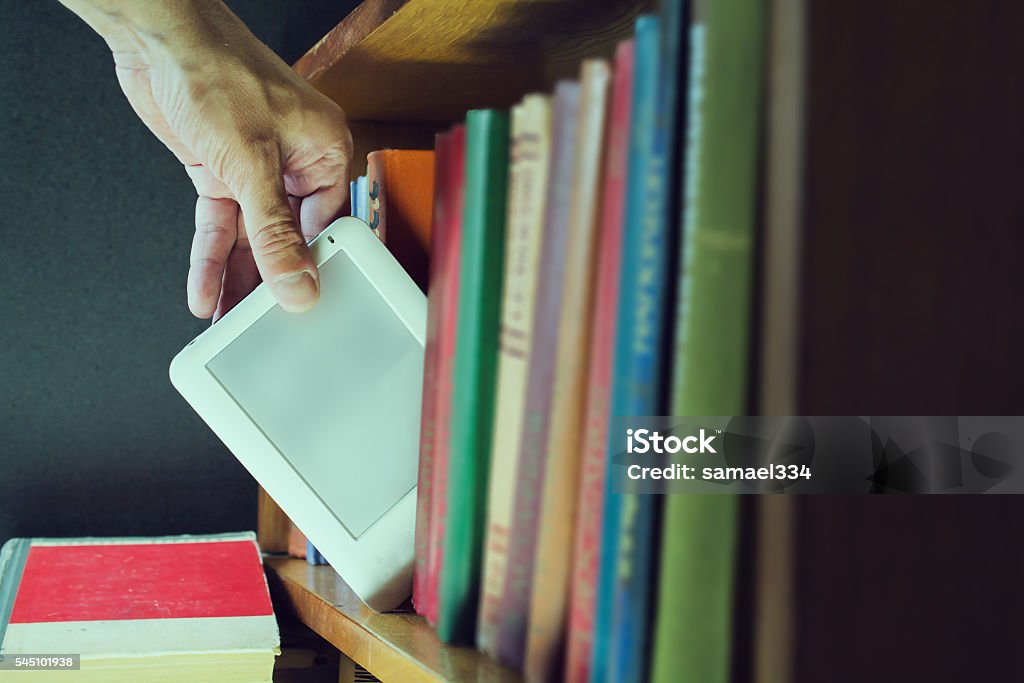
x=337, y=391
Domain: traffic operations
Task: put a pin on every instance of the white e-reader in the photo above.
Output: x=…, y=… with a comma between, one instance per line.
x=323, y=407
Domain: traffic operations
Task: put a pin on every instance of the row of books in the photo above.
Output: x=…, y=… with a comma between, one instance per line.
x=591, y=257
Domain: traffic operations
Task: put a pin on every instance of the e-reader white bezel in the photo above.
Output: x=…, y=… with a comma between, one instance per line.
x=378, y=564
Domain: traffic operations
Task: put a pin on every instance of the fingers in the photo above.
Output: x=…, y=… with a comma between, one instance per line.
x=223, y=269
x=277, y=244
x=216, y=232
x=321, y=208
x=240, y=274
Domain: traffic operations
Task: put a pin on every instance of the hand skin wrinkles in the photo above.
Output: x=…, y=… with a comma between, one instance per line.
x=267, y=154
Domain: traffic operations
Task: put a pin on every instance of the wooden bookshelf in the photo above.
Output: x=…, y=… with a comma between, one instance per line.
x=401, y=70
x=393, y=647
x=888, y=283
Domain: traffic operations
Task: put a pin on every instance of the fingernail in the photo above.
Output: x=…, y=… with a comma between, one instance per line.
x=296, y=292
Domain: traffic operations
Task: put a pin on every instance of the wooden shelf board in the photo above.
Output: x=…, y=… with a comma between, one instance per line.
x=428, y=61
x=394, y=646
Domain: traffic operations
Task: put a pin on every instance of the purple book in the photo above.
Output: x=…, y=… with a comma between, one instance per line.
x=515, y=602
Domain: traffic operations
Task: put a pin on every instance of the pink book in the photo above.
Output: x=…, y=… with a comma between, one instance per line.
x=593, y=465
x=448, y=299
x=424, y=485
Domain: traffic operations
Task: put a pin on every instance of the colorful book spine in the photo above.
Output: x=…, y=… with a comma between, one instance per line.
x=448, y=303
x=531, y=143
x=363, y=195
x=472, y=413
x=694, y=628
x=424, y=481
x=587, y=542
x=634, y=599
x=401, y=187
x=313, y=556
x=626, y=548
x=529, y=480
x=545, y=641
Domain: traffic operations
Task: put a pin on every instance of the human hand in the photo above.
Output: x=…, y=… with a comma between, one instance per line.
x=267, y=153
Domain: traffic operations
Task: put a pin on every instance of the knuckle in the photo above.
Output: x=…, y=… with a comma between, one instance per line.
x=209, y=229
x=276, y=237
x=201, y=262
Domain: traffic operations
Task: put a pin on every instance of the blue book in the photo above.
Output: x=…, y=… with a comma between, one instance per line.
x=362, y=207
x=624, y=605
x=353, y=198
x=313, y=555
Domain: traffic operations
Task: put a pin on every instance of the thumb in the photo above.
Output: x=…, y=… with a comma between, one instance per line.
x=278, y=246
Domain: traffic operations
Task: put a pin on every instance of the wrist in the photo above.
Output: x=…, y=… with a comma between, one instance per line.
x=160, y=30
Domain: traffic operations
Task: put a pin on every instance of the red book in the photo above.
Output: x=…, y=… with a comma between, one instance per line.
x=447, y=304
x=424, y=486
x=187, y=608
x=587, y=543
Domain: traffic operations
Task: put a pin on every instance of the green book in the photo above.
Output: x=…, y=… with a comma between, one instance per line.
x=693, y=632
x=476, y=359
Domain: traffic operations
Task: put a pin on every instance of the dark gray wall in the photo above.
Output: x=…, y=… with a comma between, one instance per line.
x=95, y=227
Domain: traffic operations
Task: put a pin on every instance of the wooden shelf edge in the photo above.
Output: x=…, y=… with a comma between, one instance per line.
x=429, y=61
x=357, y=25
x=394, y=646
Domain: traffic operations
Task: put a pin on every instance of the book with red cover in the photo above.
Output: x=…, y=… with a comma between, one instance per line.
x=587, y=542
x=191, y=608
x=424, y=485
x=401, y=188
x=515, y=603
x=448, y=299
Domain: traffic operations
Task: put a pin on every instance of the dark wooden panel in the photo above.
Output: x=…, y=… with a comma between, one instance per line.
x=897, y=589
x=913, y=215
x=914, y=209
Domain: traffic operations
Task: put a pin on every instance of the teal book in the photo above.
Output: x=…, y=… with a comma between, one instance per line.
x=475, y=371
x=693, y=628
x=621, y=623
x=646, y=363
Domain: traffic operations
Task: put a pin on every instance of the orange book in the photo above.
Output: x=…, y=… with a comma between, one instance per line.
x=401, y=190
x=296, y=541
